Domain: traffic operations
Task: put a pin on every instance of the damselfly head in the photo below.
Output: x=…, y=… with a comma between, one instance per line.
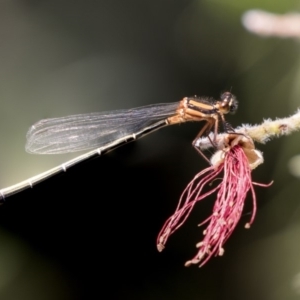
x=228, y=103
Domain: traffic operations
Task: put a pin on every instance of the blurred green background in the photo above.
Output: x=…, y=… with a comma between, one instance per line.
x=91, y=232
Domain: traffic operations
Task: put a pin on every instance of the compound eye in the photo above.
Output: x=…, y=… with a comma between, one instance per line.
x=229, y=102
x=233, y=106
x=233, y=109
x=226, y=96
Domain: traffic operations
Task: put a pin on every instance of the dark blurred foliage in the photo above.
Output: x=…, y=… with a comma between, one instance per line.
x=91, y=232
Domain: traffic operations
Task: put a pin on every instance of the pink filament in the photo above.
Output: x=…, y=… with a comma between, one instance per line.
x=227, y=210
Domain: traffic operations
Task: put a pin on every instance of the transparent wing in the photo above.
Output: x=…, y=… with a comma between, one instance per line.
x=93, y=130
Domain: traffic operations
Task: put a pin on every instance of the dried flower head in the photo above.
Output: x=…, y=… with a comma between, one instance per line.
x=235, y=161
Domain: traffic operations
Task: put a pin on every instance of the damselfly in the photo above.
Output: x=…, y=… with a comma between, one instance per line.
x=106, y=131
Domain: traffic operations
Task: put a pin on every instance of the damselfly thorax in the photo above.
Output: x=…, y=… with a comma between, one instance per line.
x=206, y=109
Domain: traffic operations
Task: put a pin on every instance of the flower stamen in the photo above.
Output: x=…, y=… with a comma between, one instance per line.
x=236, y=162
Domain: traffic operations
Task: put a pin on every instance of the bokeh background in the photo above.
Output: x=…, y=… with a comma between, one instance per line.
x=91, y=233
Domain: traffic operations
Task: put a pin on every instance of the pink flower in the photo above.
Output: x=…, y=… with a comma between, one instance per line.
x=235, y=162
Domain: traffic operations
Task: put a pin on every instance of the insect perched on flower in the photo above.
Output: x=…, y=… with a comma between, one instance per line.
x=235, y=160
